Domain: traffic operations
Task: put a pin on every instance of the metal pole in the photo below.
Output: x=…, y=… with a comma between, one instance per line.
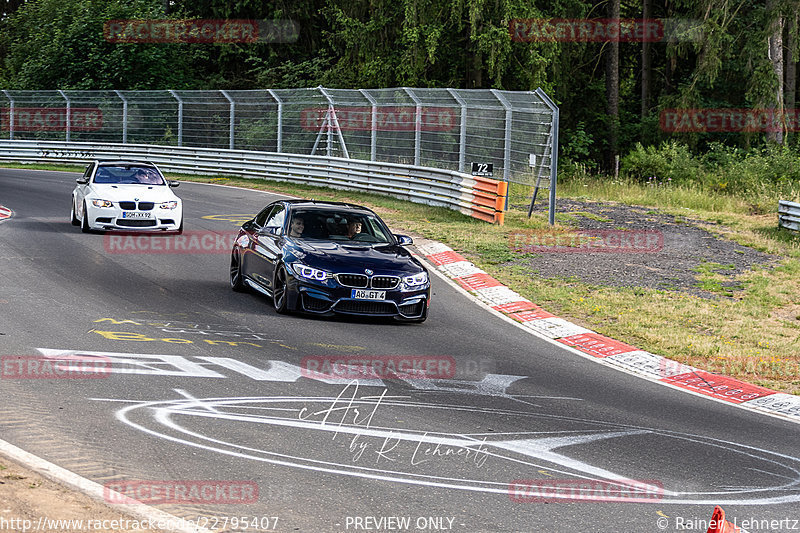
x=373, y=143
x=507, y=151
x=180, y=116
x=554, y=168
x=124, y=116
x=554, y=152
x=417, y=126
x=232, y=117
x=10, y=115
x=462, y=144
x=68, y=124
x=280, y=119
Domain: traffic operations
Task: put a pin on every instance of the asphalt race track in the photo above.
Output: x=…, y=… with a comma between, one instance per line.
x=206, y=386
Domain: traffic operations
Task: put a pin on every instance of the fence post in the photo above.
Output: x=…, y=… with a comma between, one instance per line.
x=507, y=150
x=553, y=152
x=373, y=143
x=180, y=116
x=279, y=147
x=462, y=143
x=10, y=115
x=124, y=116
x=417, y=125
x=68, y=121
x=232, y=117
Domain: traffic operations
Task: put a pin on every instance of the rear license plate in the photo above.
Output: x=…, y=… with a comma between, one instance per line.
x=135, y=214
x=363, y=294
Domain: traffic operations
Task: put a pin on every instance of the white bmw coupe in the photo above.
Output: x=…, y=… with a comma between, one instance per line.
x=125, y=195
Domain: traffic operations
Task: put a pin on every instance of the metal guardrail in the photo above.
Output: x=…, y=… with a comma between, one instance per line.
x=789, y=215
x=477, y=197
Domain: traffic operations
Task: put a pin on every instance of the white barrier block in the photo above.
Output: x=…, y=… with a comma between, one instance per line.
x=431, y=248
x=641, y=362
x=498, y=295
x=460, y=269
x=785, y=404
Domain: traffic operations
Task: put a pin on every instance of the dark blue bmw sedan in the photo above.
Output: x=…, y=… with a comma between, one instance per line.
x=329, y=258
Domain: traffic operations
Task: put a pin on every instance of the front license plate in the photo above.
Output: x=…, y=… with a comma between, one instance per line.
x=135, y=214
x=363, y=294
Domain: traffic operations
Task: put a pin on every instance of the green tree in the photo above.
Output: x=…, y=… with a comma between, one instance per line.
x=60, y=44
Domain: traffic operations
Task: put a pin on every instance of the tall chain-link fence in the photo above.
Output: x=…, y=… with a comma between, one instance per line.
x=517, y=132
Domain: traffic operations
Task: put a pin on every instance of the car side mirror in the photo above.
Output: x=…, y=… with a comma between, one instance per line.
x=82, y=181
x=173, y=183
x=404, y=240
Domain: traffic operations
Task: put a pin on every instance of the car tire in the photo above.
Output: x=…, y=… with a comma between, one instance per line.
x=180, y=228
x=73, y=219
x=279, y=297
x=237, y=281
x=85, y=221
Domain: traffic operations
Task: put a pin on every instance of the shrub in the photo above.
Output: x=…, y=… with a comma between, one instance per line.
x=669, y=162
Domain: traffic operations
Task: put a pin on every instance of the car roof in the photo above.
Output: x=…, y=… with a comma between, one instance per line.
x=123, y=162
x=313, y=204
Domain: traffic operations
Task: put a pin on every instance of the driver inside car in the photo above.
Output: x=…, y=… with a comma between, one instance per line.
x=296, y=227
x=353, y=229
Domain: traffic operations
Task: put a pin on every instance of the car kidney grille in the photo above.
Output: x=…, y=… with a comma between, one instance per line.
x=356, y=281
x=130, y=206
x=136, y=223
x=385, y=282
x=366, y=307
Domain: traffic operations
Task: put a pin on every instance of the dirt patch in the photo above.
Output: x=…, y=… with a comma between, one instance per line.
x=29, y=502
x=684, y=252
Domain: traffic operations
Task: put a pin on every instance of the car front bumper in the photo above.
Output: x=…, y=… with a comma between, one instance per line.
x=114, y=218
x=315, y=299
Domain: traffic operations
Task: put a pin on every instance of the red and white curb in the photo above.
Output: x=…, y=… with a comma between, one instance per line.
x=603, y=349
x=5, y=213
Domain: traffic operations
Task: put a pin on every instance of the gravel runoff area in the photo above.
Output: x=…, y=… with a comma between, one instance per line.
x=665, y=257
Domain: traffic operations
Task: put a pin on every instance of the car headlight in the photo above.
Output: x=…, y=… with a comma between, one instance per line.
x=102, y=203
x=169, y=205
x=416, y=280
x=311, y=273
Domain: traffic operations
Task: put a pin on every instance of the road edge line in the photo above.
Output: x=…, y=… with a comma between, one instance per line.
x=92, y=489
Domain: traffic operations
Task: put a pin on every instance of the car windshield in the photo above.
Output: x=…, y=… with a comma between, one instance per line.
x=344, y=226
x=128, y=174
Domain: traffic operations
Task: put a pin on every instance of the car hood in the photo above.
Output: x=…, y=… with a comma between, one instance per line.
x=127, y=192
x=352, y=257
